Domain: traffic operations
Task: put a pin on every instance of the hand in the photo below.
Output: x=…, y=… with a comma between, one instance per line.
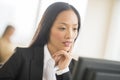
x=62, y=59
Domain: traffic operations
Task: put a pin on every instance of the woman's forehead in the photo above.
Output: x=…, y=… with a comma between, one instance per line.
x=67, y=17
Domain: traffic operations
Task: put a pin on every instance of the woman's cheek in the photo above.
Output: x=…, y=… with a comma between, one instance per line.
x=59, y=36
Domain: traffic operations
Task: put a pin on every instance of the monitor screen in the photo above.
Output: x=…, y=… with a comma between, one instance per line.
x=96, y=69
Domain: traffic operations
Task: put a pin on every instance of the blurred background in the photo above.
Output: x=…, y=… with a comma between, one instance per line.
x=99, y=36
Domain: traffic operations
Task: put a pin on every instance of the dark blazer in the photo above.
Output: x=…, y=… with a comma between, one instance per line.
x=27, y=64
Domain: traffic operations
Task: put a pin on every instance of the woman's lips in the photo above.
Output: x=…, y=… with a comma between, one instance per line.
x=67, y=43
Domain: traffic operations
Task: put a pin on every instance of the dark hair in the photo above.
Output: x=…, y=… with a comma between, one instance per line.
x=7, y=28
x=41, y=36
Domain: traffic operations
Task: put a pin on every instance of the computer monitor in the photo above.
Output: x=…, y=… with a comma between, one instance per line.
x=96, y=69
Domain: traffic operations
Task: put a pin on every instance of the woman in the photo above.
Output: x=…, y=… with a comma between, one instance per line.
x=6, y=46
x=48, y=57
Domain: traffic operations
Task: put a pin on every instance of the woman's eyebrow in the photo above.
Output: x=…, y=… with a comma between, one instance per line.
x=63, y=23
x=67, y=24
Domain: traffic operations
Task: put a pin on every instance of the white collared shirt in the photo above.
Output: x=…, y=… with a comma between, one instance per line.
x=47, y=56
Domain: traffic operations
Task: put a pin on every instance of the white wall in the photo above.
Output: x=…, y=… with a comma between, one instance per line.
x=22, y=15
x=92, y=39
x=113, y=40
x=6, y=15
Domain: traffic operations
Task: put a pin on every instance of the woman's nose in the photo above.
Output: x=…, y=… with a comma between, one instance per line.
x=69, y=34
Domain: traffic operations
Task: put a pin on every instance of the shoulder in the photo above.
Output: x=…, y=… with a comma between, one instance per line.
x=27, y=49
x=72, y=65
x=26, y=52
x=73, y=62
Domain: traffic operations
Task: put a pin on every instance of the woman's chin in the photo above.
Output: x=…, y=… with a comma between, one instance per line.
x=67, y=49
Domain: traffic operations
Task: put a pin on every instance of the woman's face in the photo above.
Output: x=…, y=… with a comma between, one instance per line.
x=64, y=31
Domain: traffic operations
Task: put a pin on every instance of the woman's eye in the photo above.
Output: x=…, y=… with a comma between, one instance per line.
x=75, y=29
x=62, y=29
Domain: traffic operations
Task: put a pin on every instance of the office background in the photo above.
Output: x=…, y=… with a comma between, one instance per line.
x=99, y=34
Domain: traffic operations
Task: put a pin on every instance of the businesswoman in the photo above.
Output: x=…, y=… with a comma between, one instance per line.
x=49, y=55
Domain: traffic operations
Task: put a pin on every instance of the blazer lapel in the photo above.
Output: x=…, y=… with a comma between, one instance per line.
x=37, y=61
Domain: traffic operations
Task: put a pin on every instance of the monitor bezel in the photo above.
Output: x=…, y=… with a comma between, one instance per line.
x=96, y=65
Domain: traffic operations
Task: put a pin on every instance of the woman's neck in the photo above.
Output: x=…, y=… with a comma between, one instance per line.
x=51, y=49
